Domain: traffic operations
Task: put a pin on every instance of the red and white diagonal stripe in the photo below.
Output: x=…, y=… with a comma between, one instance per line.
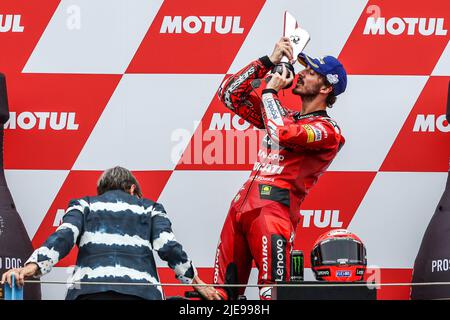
x=143, y=97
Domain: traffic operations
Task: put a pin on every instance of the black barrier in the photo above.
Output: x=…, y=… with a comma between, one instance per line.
x=15, y=245
x=432, y=263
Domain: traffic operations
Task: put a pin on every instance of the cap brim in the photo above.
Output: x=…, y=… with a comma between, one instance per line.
x=306, y=61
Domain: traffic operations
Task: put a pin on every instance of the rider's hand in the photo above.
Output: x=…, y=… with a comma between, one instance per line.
x=282, y=48
x=207, y=292
x=20, y=274
x=280, y=81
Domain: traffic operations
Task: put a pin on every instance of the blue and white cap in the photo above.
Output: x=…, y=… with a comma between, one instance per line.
x=330, y=68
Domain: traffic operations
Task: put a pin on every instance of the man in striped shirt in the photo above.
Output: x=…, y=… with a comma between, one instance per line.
x=116, y=233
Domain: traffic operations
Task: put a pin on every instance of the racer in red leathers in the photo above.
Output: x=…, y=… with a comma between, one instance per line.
x=297, y=149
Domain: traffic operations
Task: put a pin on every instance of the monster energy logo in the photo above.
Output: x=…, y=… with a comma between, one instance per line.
x=297, y=266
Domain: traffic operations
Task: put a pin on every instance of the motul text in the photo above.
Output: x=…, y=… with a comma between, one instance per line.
x=429, y=123
x=42, y=120
x=410, y=26
x=224, y=121
x=202, y=24
x=329, y=218
x=10, y=23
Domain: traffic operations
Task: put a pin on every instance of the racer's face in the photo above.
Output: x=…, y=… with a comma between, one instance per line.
x=309, y=83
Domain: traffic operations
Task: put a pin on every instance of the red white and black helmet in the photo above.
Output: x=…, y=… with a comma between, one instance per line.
x=339, y=255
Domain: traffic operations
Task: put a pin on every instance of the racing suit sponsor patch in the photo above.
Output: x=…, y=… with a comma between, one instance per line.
x=274, y=193
x=317, y=133
x=322, y=128
x=278, y=257
x=272, y=109
x=310, y=133
x=343, y=273
x=265, y=190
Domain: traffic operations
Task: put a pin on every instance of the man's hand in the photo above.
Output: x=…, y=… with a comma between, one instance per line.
x=278, y=81
x=282, y=48
x=20, y=274
x=207, y=292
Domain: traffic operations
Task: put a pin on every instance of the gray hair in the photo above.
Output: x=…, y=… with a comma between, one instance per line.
x=117, y=178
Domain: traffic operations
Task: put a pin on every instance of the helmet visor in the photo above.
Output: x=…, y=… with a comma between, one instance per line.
x=339, y=251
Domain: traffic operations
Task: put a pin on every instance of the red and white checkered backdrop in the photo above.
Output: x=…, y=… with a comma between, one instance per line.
x=94, y=84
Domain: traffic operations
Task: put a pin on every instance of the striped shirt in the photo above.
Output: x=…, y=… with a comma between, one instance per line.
x=116, y=234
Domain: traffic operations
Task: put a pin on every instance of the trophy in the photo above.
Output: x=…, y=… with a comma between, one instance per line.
x=298, y=37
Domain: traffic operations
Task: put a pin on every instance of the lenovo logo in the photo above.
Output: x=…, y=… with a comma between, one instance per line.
x=278, y=258
x=410, y=26
x=429, y=123
x=202, y=24
x=10, y=23
x=42, y=121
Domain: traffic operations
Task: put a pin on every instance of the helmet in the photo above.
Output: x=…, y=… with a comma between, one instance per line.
x=339, y=255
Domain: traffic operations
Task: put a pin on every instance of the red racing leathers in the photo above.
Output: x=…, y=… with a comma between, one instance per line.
x=263, y=216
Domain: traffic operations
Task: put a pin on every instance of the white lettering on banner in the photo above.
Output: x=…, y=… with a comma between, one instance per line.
x=428, y=123
x=55, y=120
x=265, y=258
x=397, y=26
x=10, y=263
x=216, y=266
x=440, y=265
x=329, y=218
x=203, y=24
x=58, y=217
x=11, y=23
x=224, y=121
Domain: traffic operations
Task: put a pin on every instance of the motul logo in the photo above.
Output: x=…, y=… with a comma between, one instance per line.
x=42, y=121
x=224, y=121
x=10, y=23
x=321, y=219
x=202, y=24
x=429, y=123
x=410, y=26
